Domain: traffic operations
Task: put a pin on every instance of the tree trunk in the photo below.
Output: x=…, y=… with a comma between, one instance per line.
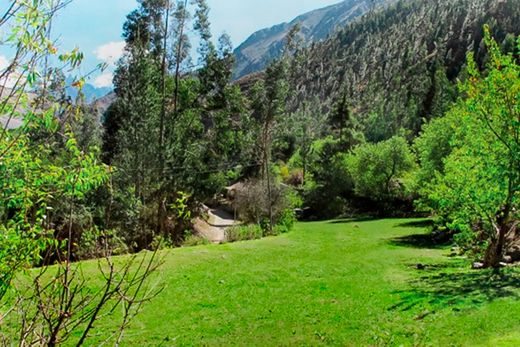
x=304, y=170
x=497, y=248
x=266, y=160
x=178, y=55
x=495, y=251
x=160, y=209
x=270, y=198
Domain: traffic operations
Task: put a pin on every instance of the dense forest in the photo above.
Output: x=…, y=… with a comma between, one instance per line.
x=398, y=68
x=410, y=110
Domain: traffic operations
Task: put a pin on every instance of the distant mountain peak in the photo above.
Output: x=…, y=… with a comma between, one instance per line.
x=265, y=45
x=91, y=92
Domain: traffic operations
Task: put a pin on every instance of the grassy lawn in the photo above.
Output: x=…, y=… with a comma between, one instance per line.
x=336, y=283
x=332, y=283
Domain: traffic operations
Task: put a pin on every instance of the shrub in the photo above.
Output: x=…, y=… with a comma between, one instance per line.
x=195, y=240
x=94, y=243
x=285, y=173
x=161, y=242
x=252, y=204
x=244, y=233
x=286, y=221
x=379, y=170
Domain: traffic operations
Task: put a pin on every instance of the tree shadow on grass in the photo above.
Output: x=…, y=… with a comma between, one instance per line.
x=426, y=223
x=422, y=223
x=422, y=240
x=459, y=289
x=450, y=284
x=354, y=220
x=427, y=241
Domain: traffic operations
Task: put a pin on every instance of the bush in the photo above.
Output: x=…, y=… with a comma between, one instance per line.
x=380, y=170
x=285, y=173
x=252, y=204
x=195, y=240
x=161, y=242
x=244, y=233
x=286, y=221
x=94, y=243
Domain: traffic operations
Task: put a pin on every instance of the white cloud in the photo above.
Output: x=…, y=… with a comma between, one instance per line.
x=110, y=52
x=104, y=80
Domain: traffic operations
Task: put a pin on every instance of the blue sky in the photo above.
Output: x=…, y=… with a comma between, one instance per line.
x=95, y=25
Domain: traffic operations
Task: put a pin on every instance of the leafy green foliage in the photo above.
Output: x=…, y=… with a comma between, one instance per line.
x=285, y=222
x=433, y=146
x=42, y=166
x=329, y=183
x=380, y=170
x=34, y=181
x=478, y=187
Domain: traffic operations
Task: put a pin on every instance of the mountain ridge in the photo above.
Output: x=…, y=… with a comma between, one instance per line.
x=266, y=44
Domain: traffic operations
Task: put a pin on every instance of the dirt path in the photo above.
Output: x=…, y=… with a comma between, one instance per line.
x=214, y=228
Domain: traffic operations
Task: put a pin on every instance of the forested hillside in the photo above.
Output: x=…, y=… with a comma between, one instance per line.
x=400, y=66
x=265, y=45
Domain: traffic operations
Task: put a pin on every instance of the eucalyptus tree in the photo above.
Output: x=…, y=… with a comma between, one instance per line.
x=175, y=125
x=268, y=105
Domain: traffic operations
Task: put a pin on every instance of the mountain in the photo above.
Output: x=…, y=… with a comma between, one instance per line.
x=93, y=93
x=263, y=46
x=102, y=104
x=7, y=121
x=400, y=66
x=90, y=92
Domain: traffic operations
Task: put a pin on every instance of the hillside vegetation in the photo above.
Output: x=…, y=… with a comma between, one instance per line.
x=399, y=67
x=263, y=46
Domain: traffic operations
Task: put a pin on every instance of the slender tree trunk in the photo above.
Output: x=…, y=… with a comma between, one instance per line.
x=304, y=164
x=504, y=219
x=160, y=204
x=270, y=198
x=267, y=176
x=178, y=55
x=163, y=86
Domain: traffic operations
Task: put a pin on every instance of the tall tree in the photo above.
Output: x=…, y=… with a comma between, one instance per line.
x=268, y=104
x=478, y=187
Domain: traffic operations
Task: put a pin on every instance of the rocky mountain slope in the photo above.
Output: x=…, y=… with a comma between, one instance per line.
x=264, y=45
x=399, y=67
x=102, y=104
x=91, y=92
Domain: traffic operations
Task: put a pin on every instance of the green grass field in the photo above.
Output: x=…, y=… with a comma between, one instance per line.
x=331, y=283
